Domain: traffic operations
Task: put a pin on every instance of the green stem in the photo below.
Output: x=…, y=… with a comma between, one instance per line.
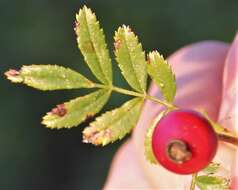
x=137, y=94
x=154, y=99
x=193, y=182
x=127, y=92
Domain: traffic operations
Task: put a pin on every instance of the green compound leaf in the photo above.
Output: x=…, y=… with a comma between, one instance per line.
x=76, y=111
x=131, y=58
x=205, y=182
x=148, y=139
x=115, y=124
x=49, y=77
x=160, y=71
x=91, y=42
x=211, y=168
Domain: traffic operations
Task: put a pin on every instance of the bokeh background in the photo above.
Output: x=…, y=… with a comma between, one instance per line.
x=41, y=32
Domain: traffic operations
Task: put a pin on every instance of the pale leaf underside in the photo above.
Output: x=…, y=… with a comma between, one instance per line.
x=161, y=73
x=115, y=124
x=131, y=58
x=91, y=42
x=49, y=77
x=76, y=110
x=205, y=182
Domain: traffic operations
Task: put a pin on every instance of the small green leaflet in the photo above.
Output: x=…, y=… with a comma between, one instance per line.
x=49, y=77
x=115, y=124
x=131, y=58
x=74, y=112
x=91, y=42
x=211, y=181
x=148, y=139
x=161, y=72
x=212, y=168
x=205, y=182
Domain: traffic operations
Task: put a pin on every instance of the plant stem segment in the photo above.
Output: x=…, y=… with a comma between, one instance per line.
x=127, y=92
x=193, y=182
x=228, y=138
x=137, y=94
x=156, y=100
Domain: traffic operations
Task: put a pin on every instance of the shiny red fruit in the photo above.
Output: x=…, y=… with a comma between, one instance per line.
x=184, y=142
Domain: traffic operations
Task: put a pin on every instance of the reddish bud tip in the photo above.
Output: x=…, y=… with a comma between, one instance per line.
x=129, y=29
x=92, y=135
x=117, y=44
x=89, y=116
x=59, y=110
x=76, y=25
x=12, y=73
x=148, y=59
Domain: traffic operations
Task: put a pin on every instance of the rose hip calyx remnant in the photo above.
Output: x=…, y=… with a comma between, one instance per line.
x=184, y=141
x=178, y=151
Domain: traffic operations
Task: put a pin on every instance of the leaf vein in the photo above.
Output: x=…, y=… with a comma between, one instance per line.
x=95, y=49
x=129, y=52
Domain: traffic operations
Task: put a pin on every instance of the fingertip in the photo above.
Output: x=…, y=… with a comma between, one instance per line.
x=125, y=171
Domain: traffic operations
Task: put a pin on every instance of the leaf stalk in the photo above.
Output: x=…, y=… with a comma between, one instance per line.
x=228, y=138
x=193, y=182
x=136, y=94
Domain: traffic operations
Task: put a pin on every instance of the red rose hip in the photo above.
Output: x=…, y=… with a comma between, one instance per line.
x=184, y=142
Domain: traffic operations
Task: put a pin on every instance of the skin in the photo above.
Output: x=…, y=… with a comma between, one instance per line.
x=207, y=79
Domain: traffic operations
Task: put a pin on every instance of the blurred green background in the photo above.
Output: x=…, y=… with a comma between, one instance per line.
x=41, y=32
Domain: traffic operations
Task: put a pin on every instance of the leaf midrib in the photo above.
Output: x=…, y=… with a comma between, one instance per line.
x=130, y=57
x=121, y=115
x=97, y=57
x=101, y=96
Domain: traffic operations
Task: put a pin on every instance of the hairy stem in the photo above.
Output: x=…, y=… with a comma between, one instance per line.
x=193, y=182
